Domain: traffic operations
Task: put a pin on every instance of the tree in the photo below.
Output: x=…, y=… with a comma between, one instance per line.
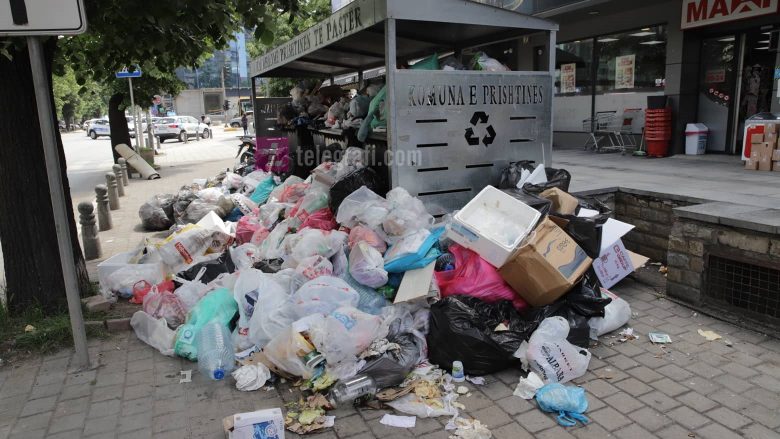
x=309, y=13
x=161, y=34
x=73, y=102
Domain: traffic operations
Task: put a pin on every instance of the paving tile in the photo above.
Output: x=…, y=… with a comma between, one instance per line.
x=350, y=426
x=609, y=418
x=514, y=405
x=492, y=416
x=649, y=418
x=669, y=387
x=509, y=431
x=600, y=388
x=716, y=431
x=556, y=432
x=757, y=431
x=634, y=432
x=623, y=402
x=674, y=372
x=659, y=401
x=535, y=421
x=762, y=415
x=66, y=423
x=728, y=418
x=634, y=387
x=38, y=406
x=697, y=401
x=101, y=425
x=674, y=432
x=687, y=417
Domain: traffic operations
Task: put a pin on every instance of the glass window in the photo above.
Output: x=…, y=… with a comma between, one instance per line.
x=632, y=61
x=573, y=67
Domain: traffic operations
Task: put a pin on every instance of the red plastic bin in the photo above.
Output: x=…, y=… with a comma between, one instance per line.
x=657, y=148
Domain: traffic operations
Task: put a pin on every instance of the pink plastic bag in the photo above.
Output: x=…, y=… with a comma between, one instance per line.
x=321, y=219
x=293, y=193
x=363, y=233
x=246, y=227
x=475, y=277
x=165, y=305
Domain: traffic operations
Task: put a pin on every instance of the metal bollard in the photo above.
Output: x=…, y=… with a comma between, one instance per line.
x=113, y=195
x=125, y=176
x=186, y=137
x=89, y=232
x=103, y=213
x=120, y=187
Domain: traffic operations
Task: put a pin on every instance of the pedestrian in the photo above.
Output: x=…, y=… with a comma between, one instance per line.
x=245, y=124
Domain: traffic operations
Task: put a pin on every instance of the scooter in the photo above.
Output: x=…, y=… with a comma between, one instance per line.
x=248, y=156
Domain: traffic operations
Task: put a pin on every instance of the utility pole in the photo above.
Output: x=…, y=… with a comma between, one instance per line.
x=224, y=92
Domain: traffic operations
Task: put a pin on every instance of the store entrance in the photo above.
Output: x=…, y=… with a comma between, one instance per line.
x=716, y=89
x=757, y=82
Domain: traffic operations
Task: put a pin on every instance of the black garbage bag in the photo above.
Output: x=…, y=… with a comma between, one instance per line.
x=269, y=266
x=463, y=328
x=352, y=182
x=390, y=369
x=510, y=175
x=577, y=306
x=543, y=205
x=157, y=213
x=214, y=268
x=587, y=232
x=559, y=178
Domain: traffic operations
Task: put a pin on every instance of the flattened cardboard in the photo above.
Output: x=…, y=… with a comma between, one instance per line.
x=757, y=138
x=547, y=267
x=562, y=202
x=765, y=151
x=266, y=424
x=415, y=284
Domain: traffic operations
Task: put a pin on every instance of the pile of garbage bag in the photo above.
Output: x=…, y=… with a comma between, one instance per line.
x=348, y=291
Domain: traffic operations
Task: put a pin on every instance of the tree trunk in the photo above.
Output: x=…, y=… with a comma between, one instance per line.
x=118, y=124
x=29, y=239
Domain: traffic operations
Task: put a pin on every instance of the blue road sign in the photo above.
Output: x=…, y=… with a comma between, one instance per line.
x=125, y=74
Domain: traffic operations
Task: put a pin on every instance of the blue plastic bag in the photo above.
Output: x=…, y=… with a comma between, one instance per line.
x=263, y=190
x=568, y=401
x=413, y=251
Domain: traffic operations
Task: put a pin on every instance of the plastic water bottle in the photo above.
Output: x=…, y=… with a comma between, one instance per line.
x=445, y=262
x=216, y=356
x=347, y=391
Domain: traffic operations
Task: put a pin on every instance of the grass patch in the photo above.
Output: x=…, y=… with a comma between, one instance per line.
x=49, y=334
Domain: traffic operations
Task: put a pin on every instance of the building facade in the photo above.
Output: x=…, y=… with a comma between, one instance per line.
x=716, y=61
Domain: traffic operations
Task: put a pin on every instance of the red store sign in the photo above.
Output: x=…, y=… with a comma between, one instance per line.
x=697, y=13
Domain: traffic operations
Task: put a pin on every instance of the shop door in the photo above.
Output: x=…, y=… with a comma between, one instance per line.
x=716, y=89
x=757, y=91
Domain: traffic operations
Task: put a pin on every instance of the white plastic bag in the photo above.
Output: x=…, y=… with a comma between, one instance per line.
x=412, y=404
x=311, y=268
x=251, y=377
x=244, y=256
x=165, y=305
x=552, y=356
x=362, y=206
x=323, y=295
x=211, y=195
x=407, y=215
x=344, y=333
x=273, y=317
x=527, y=386
x=616, y=314
x=352, y=160
x=154, y=332
x=287, y=348
x=271, y=247
x=233, y=181
x=191, y=291
x=246, y=292
x=366, y=265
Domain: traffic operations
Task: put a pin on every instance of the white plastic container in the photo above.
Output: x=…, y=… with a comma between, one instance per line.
x=493, y=224
x=696, y=138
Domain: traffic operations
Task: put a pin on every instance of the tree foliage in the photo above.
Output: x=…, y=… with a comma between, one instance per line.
x=75, y=103
x=309, y=13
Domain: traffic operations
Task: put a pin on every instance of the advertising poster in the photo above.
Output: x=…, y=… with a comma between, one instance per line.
x=624, y=71
x=568, y=78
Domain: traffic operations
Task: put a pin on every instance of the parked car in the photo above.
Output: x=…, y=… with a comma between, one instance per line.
x=236, y=121
x=97, y=128
x=180, y=127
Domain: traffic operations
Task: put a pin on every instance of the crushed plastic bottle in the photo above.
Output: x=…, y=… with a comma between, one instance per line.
x=216, y=357
x=347, y=391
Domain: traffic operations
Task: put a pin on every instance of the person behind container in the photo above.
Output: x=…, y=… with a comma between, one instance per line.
x=245, y=124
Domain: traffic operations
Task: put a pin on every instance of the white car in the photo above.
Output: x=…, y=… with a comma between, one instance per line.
x=180, y=127
x=98, y=127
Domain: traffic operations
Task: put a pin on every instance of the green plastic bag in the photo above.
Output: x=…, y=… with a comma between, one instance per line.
x=430, y=63
x=218, y=305
x=263, y=190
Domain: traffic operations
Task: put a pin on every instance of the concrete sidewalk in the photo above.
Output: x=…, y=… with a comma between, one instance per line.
x=694, y=388
x=710, y=177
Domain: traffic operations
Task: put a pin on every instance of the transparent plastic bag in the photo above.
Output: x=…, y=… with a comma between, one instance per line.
x=157, y=213
x=363, y=233
x=551, y=356
x=165, y=305
x=568, y=401
x=212, y=194
x=154, y=332
x=249, y=287
x=271, y=246
x=352, y=159
x=268, y=214
x=367, y=266
x=322, y=296
x=233, y=181
x=344, y=333
x=246, y=228
x=483, y=62
x=190, y=292
x=362, y=206
x=312, y=202
x=407, y=215
x=251, y=181
x=616, y=314
x=314, y=242
x=283, y=351
x=313, y=267
x=412, y=404
x=276, y=194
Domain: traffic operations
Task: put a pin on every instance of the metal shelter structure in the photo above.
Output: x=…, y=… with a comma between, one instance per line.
x=449, y=133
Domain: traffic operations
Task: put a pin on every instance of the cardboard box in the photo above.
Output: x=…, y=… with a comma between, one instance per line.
x=765, y=151
x=547, y=267
x=757, y=138
x=261, y=424
x=776, y=155
x=615, y=263
x=776, y=166
x=751, y=164
x=771, y=128
x=562, y=202
x=771, y=138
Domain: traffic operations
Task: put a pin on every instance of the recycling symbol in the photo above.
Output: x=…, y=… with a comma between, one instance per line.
x=480, y=117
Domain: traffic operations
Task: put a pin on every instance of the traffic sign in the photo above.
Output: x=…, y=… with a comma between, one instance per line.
x=42, y=17
x=124, y=74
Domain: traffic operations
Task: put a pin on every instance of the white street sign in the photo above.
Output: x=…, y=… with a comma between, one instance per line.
x=42, y=17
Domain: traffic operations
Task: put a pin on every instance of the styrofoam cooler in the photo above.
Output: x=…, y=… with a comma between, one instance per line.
x=153, y=270
x=493, y=224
